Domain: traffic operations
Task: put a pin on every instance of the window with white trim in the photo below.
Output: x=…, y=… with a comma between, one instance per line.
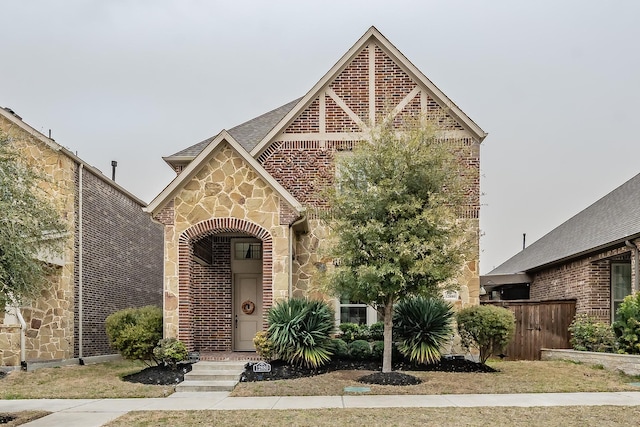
x=351, y=311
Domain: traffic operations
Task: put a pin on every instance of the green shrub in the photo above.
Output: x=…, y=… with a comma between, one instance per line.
x=340, y=348
x=170, y=351
x=376, y=331
x=485, y=327
x=422, y=326
x=301, y=331
x=354, y=331
x=589, y=334
x=377, y=350
x=264, y=346
x=360, y=350
x=135, y=332
x=627, y=327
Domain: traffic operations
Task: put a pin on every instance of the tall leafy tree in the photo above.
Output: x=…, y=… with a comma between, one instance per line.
x=30, y=227
x=394, y=217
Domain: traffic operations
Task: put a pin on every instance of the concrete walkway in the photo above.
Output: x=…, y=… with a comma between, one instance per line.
x=96, y=412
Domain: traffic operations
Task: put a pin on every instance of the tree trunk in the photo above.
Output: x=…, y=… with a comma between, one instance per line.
x=388, y=334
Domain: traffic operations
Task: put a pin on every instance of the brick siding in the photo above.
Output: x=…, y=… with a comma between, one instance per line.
x=122, y=261
x=587, y=280
x=211, y=296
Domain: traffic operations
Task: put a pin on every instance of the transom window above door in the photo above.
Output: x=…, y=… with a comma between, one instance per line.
x=247, y=250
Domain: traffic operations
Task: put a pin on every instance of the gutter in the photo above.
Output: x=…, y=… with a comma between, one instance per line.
x=636, y=257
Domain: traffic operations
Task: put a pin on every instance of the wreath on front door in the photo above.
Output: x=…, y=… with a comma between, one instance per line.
x=248, y=307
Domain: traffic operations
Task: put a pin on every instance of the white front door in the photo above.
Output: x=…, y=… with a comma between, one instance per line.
x=247, y=307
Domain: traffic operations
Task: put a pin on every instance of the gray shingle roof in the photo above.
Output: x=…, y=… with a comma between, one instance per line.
x=611, y=219
x=248, y=134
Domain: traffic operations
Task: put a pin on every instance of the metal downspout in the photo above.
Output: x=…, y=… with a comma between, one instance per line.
x=80, y=282
x=636, y=257
x=23, y=339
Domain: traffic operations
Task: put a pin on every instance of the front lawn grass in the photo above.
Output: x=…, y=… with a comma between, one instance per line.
x=513, y=377
x=95, y=381
x=601, y=416
x=104, y=381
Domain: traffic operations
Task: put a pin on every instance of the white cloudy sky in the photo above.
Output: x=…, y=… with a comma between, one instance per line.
x=556, y=84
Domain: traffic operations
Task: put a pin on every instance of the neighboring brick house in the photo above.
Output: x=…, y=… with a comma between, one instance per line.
x=112, y=257
x=592, y=258
x=241, y=223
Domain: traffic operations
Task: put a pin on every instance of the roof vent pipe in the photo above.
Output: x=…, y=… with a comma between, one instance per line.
x=636, y=261
x=114, y=165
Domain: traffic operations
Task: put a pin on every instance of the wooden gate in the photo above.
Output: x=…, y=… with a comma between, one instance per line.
x=539, y=324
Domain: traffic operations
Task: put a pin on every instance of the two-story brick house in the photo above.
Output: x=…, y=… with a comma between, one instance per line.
x=241, y=224
x=112, y=258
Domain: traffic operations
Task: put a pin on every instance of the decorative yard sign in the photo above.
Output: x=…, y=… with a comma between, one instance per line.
x=450, y=295
x=262, y=367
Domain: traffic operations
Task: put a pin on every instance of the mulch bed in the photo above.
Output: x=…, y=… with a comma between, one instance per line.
x=160, y=375
x=5, y=418
x=281, y=370
x=164, y=375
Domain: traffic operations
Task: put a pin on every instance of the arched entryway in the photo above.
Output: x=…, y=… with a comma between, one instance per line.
x=225, y=265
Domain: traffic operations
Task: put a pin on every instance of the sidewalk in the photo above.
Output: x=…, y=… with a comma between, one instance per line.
x=96, y=412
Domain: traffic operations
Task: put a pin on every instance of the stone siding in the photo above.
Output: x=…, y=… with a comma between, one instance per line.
x=49, y=319
x=225, y=196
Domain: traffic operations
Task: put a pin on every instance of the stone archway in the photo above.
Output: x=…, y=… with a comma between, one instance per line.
x=187, y=299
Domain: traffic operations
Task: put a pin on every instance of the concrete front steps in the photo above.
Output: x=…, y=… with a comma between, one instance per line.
x=212, y=376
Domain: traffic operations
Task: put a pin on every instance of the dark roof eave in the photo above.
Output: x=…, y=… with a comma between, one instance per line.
x=491, y=281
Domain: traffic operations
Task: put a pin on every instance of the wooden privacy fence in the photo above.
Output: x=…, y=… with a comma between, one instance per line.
x=539, y=324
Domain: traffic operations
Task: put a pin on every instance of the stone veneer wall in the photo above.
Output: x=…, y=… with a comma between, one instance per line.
x=49, y=319
x=226, y=195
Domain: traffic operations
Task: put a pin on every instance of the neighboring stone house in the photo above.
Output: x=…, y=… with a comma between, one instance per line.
x=241, y=223
x=112, y=258
x=592, y=258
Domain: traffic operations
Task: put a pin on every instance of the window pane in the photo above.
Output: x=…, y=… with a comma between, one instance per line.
x=248, y=250
x=620, y=281
x=353, y=315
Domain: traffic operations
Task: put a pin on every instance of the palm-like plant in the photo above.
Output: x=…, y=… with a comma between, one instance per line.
x=301, y=331
x=422, y=326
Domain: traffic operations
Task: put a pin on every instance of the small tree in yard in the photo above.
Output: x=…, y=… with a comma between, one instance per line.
x=29, y=227
x=394, y=220
x=487, y=328
x=135, y=332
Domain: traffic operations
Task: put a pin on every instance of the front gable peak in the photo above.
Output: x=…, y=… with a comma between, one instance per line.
x=372, y=81
x=206, y=154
